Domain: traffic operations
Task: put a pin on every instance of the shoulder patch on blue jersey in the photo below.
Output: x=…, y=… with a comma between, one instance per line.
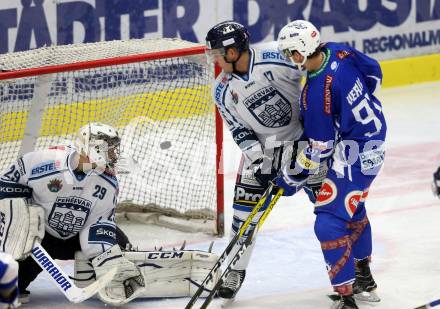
x=341, y=54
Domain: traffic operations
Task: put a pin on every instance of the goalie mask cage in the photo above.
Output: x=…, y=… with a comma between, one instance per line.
x=156, y=92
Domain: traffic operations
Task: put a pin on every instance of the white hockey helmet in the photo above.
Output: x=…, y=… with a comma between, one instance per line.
x=301, y=36
x=100, y=143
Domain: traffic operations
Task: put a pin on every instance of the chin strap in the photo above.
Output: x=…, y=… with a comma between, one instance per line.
x=234, y=69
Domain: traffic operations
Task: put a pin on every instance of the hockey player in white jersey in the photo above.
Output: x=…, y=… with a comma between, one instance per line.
x=70, y=193
x=257, y=95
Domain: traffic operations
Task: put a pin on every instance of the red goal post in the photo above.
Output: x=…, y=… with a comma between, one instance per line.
x=156, y=92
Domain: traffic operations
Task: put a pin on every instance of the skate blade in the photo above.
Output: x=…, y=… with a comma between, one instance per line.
x=227, y=302
x=370, y=297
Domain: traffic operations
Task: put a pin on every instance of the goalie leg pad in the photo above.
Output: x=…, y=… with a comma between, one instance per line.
x=166, y=273
x=21, y=225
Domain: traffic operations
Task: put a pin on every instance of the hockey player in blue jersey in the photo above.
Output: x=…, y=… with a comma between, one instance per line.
x=257, y=95
x=8, y=280
x=345, y=126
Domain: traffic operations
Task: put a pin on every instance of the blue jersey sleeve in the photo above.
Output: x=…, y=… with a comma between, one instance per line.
x=370, y=70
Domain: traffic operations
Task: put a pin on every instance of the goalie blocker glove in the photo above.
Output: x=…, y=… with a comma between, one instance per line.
x=23, y=227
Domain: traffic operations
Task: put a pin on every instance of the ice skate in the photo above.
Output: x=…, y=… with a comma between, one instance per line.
x=364, y=287
x=232, y=284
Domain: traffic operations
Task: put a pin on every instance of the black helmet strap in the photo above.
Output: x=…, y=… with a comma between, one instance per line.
x=240, y=52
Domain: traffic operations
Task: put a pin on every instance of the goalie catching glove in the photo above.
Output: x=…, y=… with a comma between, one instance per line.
x=128, y=282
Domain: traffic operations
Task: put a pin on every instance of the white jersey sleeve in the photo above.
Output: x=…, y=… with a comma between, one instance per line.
x=99, y=232
x=14, y=179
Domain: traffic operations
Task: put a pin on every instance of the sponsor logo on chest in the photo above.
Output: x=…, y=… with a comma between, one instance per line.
x=45, y=167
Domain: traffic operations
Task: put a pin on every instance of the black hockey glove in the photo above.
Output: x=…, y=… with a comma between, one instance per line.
x=264, y=170
x=436, y=183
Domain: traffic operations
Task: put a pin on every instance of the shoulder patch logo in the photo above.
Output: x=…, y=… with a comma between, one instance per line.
x=55, y=185
x=341, y=54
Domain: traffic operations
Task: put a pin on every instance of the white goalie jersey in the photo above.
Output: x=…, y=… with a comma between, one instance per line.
x=73, y=203
x=261, y=109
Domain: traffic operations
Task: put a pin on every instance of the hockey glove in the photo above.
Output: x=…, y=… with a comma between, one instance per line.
x=127, y=284
x=314, y=182
x=264, y=171
x=436, y=183
x=290, y=183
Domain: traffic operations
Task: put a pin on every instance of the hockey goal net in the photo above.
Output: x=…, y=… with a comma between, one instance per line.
x=156, y=92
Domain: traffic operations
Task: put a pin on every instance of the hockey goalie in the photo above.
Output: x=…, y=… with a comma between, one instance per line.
x=59, y=203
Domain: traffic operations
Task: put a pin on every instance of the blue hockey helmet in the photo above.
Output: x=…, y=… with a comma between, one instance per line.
x=228, y=34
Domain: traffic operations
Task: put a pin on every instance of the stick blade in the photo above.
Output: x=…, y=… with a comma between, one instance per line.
x=94, y=288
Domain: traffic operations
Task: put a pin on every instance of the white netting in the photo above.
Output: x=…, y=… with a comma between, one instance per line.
x=162, y=108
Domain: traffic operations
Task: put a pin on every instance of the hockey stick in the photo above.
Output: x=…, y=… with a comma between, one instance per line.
x=432, y=304
x=63, y=282
x=242, y=249
x=229, y=247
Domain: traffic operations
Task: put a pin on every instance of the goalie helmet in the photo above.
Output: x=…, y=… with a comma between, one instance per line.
x=100, y=143
x=301, y=36
x=225, y=35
